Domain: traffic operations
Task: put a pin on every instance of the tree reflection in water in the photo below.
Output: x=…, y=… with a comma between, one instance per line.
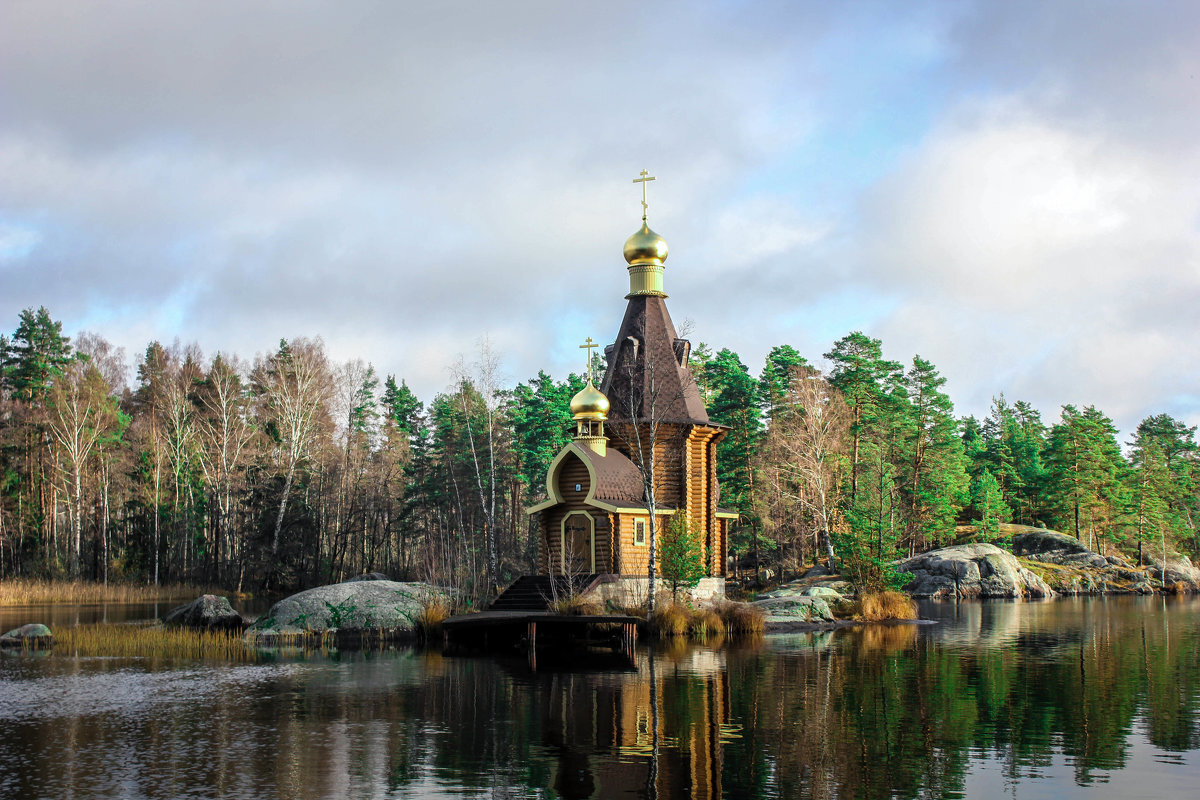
x=1062, y=691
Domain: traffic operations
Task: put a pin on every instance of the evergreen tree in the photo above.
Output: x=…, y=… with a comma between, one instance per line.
x=775, y=381
x=935, y=475
x=37, y=353
x=680, y=557
x=1162, y=482
x=988, y=503
x=1084, y=472
x=864, y=378
x=736, y=403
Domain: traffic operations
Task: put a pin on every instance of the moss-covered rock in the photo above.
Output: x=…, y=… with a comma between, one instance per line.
x=971, y=570
x=375, y=608
x=32, y=635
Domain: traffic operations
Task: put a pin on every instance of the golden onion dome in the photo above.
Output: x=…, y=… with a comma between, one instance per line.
x=590, y=403
x=645, y=247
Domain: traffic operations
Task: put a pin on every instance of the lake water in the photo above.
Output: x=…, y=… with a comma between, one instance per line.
x=1090, y=698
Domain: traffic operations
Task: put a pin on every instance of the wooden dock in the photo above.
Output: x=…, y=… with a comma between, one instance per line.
x=531, y=631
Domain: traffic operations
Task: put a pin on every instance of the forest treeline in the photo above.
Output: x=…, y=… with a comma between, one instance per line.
x=294, y=470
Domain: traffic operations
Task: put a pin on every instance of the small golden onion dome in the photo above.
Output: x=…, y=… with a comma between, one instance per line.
x=645, y=247
x=590, y=403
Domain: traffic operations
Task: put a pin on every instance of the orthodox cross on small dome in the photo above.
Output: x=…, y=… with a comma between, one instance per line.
x=588, y=346
x=643, y=181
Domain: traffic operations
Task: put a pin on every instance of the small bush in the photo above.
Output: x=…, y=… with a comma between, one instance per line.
x=428, y=622
x=741, y=619
x=669, y=619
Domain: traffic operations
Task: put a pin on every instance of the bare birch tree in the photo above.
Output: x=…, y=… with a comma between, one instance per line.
x=225, y=431
x=296, y=386
x=802, y=456
x=80, y=410
x=485, y=377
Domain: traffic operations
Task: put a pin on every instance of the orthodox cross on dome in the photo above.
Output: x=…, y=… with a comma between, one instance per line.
x=588, y=346
x=643, y=181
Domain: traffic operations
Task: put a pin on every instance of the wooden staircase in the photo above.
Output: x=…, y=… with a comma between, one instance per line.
x=537, y=592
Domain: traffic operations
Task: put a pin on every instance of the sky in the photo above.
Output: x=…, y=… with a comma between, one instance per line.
x=1010, y=190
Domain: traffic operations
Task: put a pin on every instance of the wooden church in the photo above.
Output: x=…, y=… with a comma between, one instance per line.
x=643, y=434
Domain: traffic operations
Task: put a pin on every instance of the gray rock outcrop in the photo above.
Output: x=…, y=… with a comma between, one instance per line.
x=384, y=609
x=1180, y=573
x=794, y=609
x=207, y=612
x=971, y=570
x=34, y=634
x=1052, y=547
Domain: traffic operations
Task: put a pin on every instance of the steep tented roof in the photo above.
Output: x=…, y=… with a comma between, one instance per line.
x=647, y=368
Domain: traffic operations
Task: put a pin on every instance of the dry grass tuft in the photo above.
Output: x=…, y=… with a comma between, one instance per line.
x=428, y=622
x=25, y=591
x=741, y=619
x=576, y=605
x=706, y=622
x=879, y=606
x=669, y=619
x=152, y=641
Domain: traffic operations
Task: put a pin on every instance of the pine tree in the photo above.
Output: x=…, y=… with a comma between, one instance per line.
x=680, y=557
x=935, y=475
x=988, y=503
x=1085, y=468
x=864, y=378
x=775, y=380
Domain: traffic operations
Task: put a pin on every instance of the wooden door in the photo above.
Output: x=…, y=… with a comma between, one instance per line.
x=577, y=553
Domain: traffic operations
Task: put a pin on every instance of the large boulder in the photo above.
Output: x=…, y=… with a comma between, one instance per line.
x=207, y=612
x=971, y=570
x=32, y=635
x=1179, y=573
x=375, y=609
x=1052, y=547
x=795, y=608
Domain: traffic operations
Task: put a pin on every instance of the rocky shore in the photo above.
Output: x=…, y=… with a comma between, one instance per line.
x=1031, y=563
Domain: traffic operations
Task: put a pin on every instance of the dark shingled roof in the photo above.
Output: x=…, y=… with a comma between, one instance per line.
x=618, y=481
x=647, y=368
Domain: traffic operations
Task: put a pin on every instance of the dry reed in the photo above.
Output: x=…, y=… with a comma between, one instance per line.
x=428, y=622
x=152, y=641
x=741, y=619
x=706, y=622
x=878, y=607
x=27, y=591
x=669, y=619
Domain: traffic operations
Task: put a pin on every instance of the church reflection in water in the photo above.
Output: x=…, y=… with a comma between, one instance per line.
x=653, y=732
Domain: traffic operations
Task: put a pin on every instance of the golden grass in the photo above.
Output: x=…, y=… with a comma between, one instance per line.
x=878, y=606
x=26, y=591
x=428, y=622
x=576, y=605
x=706, y=622
x=669, y=619
x=152, y=641
x=741, y=619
